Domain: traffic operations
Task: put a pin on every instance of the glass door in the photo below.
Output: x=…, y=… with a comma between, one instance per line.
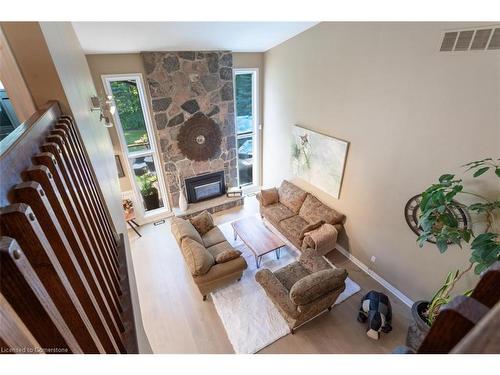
x=247, y=127
x=135, y=131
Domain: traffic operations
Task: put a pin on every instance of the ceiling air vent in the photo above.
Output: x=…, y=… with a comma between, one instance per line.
x=495, y=40
x=471, y=40
x=481, y=39
x=464, y=39
x=449, y=41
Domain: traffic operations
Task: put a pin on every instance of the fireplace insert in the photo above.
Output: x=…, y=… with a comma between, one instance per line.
x=205, y=186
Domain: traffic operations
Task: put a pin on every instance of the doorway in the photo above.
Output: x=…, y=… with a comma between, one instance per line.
x=138, y=143
x=247, y=127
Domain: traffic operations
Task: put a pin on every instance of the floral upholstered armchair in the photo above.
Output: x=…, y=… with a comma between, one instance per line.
x=303, y=289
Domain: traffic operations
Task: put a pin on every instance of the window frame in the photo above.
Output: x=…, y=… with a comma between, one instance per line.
x=255, y=185
x=141, y=214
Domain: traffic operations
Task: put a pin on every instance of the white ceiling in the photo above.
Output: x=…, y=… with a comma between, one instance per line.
x=130, y=37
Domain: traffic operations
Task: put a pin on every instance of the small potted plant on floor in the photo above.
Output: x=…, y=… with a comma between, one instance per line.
x=439, y=224
x=149, y=192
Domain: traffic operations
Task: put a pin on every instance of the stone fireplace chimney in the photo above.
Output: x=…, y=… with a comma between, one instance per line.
x=193, y=109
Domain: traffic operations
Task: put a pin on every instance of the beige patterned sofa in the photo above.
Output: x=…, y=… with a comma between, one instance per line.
x=303, y=289
x=302, y=218
x=212, y=261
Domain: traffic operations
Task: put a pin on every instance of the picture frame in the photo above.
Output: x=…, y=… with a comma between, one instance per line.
x=319, y=159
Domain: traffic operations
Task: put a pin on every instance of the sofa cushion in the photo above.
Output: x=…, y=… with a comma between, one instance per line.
x=198, y=259
x=276, y=212
x=313, y=210
x=317, y=285
x=222, y=270
x=227, y=255
x=291, y=196
x=184, y=229
x=269, y=196
x=290, y=274
x=219, y=248
x=203, y=222
x=313, y=262
x=292, y=228
x=213, y=237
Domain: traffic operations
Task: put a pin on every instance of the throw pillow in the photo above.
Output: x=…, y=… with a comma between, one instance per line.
x=313, y=210
x=269, y=196
x=310, y=227
x=227, y=255
x=198, y=259
x=317, y=285
x=291, y=196
x=203, y=222
x=183, y=228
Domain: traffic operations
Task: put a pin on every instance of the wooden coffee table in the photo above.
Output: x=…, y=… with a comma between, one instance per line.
x=259, y=239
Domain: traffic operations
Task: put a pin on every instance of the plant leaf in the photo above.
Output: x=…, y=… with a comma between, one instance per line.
x=442, y=245
x=421, y=239
x=449, y=220
x=477, y=162
x=446, y=177
x=479, y=268
x=466, y=236
x=480, y=171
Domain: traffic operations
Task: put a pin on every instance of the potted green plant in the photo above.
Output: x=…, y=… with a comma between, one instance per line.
x=438, y=222
x=149, y=192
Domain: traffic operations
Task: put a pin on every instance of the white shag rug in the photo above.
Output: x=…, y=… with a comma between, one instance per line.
x=251, y=320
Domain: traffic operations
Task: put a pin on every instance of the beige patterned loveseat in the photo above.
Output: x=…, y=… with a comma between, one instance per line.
x=212, y=261
x=302, y=218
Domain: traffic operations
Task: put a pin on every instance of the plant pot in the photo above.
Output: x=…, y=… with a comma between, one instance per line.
x=418, y=328
x=151, y=201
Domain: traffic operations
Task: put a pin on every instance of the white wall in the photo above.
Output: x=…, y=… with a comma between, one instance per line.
x=410, y=114
x=12, y=80
x=75, y=77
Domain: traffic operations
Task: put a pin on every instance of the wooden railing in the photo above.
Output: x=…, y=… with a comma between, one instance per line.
x=467, y=325
x=63, y=274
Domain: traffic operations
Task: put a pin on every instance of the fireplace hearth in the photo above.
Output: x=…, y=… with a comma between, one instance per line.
x=206, y=186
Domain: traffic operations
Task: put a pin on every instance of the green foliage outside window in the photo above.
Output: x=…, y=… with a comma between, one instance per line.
x=126, y=96
x=147, y=184
x=244, y=94
x=127, y=101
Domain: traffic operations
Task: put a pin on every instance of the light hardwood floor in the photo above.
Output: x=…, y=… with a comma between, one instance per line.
x=176, y=319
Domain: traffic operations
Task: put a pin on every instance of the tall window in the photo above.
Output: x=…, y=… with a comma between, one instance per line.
x=246, y=126
x=134, y=127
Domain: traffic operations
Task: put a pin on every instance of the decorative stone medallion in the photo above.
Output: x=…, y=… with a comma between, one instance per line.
x=199, y=138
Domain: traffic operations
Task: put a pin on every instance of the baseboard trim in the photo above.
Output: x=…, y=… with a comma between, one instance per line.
x=400, y=295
